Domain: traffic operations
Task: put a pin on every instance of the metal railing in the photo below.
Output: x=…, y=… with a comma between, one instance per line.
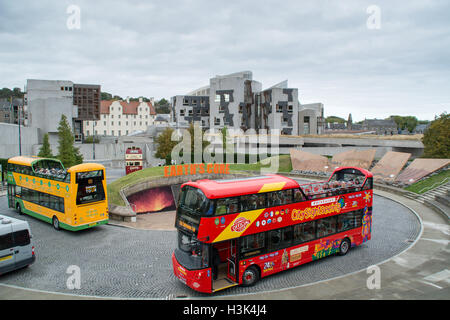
x=434, y=185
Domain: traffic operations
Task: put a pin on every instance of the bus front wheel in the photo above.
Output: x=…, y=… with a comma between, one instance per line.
x=344, y=247
x=55, y=223
x=250, y=276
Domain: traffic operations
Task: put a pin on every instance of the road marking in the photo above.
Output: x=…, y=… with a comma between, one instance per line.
x=431, y=284
x=443, y=275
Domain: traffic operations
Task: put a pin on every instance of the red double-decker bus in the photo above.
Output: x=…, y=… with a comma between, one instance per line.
x=236, y=231
x=133, y=159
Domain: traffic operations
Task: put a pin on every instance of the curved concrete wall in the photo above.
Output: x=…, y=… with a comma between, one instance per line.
x=126, y=212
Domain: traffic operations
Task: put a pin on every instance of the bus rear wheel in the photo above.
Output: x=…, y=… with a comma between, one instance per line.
x=55, y=223
x=250, y=276
x=344, y=247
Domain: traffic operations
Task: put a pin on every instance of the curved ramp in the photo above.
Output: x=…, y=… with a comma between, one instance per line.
x=306, y=161
x=388, y=168
x=353, y=158
x=420, y=168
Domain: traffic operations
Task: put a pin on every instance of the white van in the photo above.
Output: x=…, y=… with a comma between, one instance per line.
x=16, y=248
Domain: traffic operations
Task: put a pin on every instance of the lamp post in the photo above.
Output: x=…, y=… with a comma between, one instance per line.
x=93, y=139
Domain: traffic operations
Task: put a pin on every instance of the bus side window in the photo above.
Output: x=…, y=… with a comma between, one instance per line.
x=298, y=195
x=252, y=244
x=252, y=202
x=369, y=184
x=304, y=232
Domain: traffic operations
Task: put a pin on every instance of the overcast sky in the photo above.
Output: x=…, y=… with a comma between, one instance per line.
x=393, y=58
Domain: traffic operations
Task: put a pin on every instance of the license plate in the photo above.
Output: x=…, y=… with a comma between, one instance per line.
x=6, y=258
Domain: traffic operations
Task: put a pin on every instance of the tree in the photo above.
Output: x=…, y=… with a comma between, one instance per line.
x=162, y=106
x=436, y=138
x=67, y=153
x=165, y=145
x=45, y=151
x=407, y=122
x=333, y=119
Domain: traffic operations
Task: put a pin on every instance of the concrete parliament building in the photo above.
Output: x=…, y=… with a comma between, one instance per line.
x=237, y=101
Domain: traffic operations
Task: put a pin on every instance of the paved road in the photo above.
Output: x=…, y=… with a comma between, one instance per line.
x=127, y=263
x=113, y=174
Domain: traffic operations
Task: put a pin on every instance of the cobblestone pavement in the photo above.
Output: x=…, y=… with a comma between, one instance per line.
x=127, y=263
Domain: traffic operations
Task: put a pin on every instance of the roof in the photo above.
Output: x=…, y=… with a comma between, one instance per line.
x=161, y=118
x=28, y=160
x=86, y=167
x=380, y=123
x=127, y=107
x=234, y=187
x=104, y=106
x=19, y=224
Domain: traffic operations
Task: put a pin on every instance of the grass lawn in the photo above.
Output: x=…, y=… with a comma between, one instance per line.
x=114, y=188
x=430, y=183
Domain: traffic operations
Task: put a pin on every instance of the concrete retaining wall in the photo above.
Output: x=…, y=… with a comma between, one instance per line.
x=9, y=140
x=126, y=213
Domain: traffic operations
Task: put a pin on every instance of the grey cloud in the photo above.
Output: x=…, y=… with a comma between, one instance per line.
x=164, y=48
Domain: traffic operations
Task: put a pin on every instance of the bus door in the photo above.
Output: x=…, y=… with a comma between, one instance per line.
x=11, y=195
x=232, y=261
x=227, y=268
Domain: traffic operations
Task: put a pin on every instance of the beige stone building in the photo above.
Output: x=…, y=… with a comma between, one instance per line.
x=121, y=118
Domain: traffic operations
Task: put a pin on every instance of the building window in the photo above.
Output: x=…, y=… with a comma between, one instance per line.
x=217, y=98
x=119, y=123
x=118, y=133
x=226, y=97
x=217, y=121
x=279, y=108
x=182, y=112
x=112, y=123
x=112, y=132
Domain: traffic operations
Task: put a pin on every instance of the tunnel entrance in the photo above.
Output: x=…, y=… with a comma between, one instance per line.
x=157, y=199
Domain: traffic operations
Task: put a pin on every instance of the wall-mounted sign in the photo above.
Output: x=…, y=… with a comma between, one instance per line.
x=196, y=168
